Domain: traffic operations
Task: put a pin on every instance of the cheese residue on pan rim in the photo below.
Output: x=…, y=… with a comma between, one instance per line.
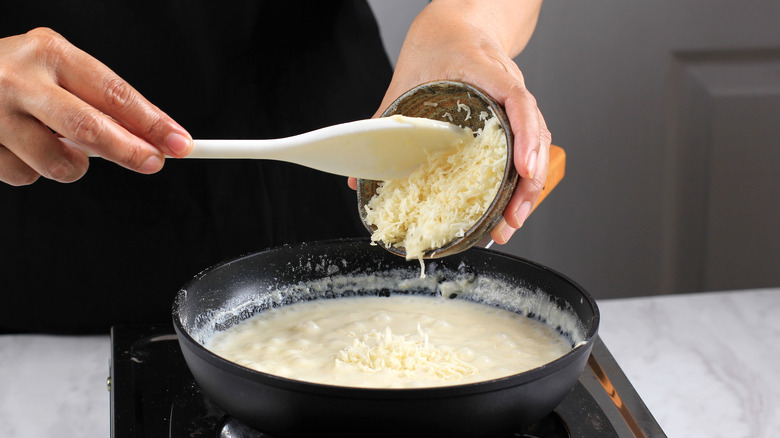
x=443, y=198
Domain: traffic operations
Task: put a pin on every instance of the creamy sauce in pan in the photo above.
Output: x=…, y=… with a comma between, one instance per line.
x=400, y=341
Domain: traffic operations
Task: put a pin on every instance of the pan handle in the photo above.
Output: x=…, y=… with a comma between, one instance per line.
x=554, y=173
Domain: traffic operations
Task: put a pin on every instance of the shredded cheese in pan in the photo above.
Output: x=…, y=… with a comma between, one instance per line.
x=442, y=199
x=374, y=351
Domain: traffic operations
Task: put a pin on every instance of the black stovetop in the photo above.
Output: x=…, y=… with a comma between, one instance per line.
x=153, y=394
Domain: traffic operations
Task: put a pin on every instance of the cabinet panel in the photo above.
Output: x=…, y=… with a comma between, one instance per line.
x=724, y=155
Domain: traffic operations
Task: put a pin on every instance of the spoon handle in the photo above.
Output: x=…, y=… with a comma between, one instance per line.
x=236, y=149
x=376, y=149
x=248, y=149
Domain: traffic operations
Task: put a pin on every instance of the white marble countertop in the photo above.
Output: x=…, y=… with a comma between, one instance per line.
x=705, y=364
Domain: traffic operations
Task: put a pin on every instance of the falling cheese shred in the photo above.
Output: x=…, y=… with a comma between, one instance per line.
x=442, y=199
x=373, y=351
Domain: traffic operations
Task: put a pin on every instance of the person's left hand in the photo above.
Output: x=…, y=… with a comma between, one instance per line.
x=445, y=44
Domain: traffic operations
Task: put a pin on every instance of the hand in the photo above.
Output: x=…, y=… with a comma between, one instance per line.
x=449, y=41
x=50, y=88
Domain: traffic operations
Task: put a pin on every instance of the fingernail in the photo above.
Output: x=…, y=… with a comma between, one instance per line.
x=152, y=164
x=506, y=232
x=532, y=164
x=522, y=213
x=177, y=144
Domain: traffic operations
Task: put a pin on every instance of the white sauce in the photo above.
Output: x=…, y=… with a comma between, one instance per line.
x=399, y=341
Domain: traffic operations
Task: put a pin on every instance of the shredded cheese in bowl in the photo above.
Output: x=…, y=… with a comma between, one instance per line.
x=442, y=199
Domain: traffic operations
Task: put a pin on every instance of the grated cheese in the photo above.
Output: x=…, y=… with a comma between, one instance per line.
x=464, y=107
x=374, y=352
x=442, y=199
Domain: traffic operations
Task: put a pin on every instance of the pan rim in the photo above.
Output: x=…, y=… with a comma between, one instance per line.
x=431, y=392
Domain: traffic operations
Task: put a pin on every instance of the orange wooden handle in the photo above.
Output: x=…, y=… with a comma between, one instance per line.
x=554, y=173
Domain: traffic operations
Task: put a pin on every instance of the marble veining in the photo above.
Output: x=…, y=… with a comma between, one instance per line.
x=54, y=386
x=705, y=364
x=702, y=362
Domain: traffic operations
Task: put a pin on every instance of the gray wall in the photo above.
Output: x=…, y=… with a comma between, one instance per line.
x=394, y=17
x=671, y=121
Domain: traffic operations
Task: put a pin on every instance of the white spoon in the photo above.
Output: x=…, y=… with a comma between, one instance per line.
x=377, y=149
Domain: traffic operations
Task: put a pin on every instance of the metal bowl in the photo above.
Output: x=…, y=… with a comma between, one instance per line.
x=439, y=101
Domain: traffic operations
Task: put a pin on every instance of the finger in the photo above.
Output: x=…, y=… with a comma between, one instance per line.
x=524, y=117
x=103, y=89
x=507, y=87
x=352, y=183
x=14, y=171
x=41, y=152
x=527, y=192
x=96, y=84
x=502, y=232
x=545, y=136
x=70, y=117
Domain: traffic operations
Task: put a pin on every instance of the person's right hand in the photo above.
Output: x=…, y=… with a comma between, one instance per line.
x=50, y=88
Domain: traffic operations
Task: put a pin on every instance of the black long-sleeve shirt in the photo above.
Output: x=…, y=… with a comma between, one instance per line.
x=115, y=246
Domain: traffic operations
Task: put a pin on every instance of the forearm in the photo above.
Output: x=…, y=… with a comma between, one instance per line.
x=507, y=23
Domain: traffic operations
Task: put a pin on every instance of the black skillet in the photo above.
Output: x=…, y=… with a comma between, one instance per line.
x=288, y=408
